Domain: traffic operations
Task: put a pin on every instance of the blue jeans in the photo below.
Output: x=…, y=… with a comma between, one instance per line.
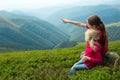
x=77, y=66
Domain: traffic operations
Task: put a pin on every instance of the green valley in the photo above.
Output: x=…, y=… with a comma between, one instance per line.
x=26, y=33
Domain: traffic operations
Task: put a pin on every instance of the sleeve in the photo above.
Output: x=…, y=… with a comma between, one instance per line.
x=98, y=57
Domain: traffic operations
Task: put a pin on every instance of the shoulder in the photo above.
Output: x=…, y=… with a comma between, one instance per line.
x=86, y=25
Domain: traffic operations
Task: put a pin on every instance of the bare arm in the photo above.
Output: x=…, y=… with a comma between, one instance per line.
x=74, y=22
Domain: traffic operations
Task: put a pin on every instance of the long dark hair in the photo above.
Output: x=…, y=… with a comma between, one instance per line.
x=95, y=20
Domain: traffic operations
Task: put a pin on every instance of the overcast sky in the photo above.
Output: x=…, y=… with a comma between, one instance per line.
x=34, y=4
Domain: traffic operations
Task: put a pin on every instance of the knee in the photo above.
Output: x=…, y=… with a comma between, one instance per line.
x=73, y=67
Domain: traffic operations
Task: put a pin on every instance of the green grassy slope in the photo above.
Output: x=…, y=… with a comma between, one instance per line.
x=53, y=65
x=27, y=34
x=113, y=31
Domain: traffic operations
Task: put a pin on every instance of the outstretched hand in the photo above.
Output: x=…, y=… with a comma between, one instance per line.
x=65, y=20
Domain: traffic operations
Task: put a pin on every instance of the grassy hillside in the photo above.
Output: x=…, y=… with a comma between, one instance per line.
x=66, y=44
x=53, y=65
x=113, y=31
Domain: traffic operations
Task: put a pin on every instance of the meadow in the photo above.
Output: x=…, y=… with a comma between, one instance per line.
x=53, y=65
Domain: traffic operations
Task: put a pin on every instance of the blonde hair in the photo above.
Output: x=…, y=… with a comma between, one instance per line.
x=91, y=36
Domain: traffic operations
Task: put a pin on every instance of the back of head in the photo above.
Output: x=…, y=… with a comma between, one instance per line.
x=94, y=20
x=91, y=36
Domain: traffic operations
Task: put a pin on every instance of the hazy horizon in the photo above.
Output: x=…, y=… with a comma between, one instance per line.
x=36, y=4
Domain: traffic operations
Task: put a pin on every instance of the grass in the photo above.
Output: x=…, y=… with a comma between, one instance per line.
x=53, y=65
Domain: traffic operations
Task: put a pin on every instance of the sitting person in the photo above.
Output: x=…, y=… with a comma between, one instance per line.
x=94, y=22
x=92, y=54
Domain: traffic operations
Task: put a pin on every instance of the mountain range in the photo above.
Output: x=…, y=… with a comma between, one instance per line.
x=22, y=32
x=18, y=31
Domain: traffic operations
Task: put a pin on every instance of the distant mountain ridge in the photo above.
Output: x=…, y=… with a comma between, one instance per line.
x=24, y=33
x=14, y=15
x=113, y=31
x=108, y=13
